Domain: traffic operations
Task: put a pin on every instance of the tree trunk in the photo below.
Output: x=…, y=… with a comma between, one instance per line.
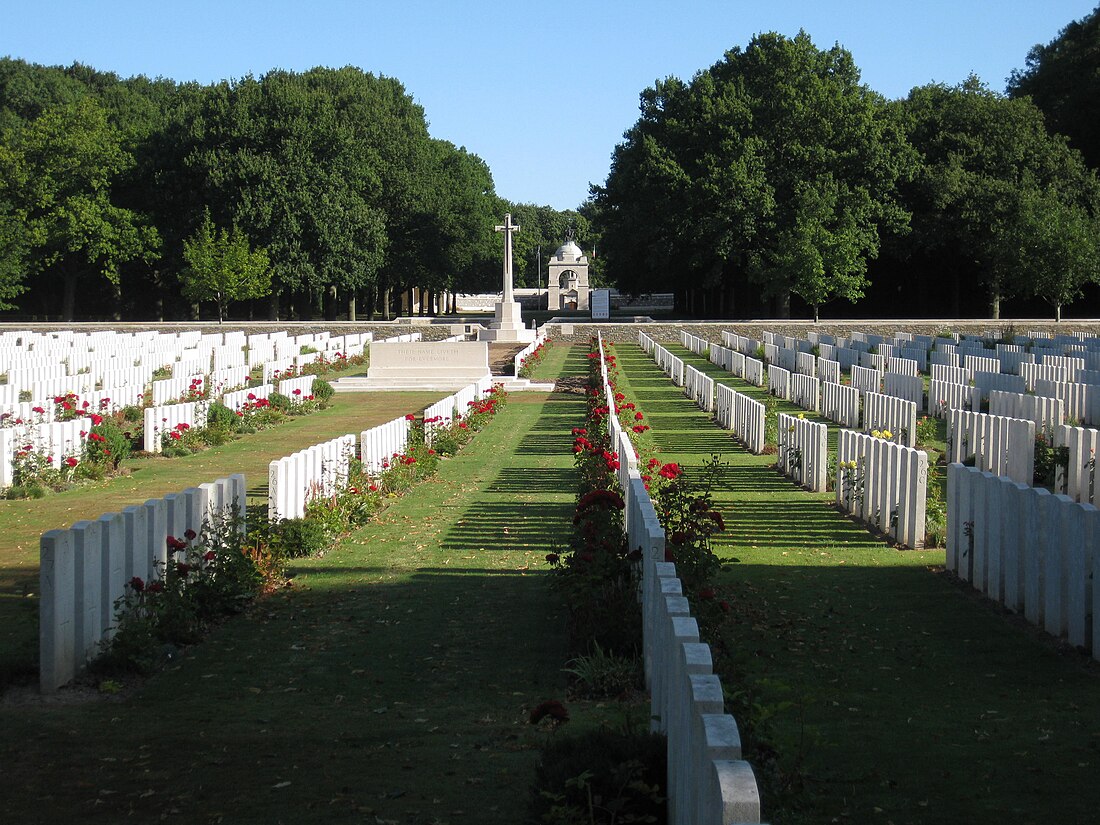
x=351, y=307
x=330, y=303
x=816, y=316
x=1058, y=313
x=68, y=296
x=116, y=296
x=386, y=304
x=273, y=306
x=783, y=305
x=994, y=302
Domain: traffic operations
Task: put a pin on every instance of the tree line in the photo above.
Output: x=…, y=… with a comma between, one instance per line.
x=775, y=177
x=291, y=195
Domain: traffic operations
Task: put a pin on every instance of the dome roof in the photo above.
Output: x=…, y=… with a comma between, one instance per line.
x=569, y=251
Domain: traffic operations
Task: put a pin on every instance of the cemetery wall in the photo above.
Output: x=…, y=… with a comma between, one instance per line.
x=711, y=330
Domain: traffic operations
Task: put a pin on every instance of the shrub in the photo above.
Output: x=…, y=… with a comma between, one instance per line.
x=603, y=675
x=206, y=578
x=280, y=402
x=601, y=776
x=219, y=415
x=299, y=537
x=322, y=391
x=107, y=444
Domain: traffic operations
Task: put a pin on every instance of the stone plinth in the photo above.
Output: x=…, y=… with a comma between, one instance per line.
x=507, y=325
x=425, y=364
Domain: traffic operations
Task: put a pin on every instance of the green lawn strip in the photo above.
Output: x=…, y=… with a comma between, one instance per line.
x=392, y=681
x=890, y=693
x=23, y=521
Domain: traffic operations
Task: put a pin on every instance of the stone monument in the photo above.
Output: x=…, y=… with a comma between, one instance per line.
x=567, y=279
x=507, y=324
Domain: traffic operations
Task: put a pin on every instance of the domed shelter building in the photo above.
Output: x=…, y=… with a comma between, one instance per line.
x=568, y=278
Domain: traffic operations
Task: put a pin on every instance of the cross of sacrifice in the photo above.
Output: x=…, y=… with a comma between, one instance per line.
x=508, y=229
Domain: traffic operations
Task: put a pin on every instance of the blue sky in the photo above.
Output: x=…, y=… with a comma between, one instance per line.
x=541, y=91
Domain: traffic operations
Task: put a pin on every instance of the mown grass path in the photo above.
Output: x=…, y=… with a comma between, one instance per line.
x=891, y=693
x=390, y=684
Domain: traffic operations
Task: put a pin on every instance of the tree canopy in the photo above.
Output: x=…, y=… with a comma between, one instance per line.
x=774, y=168
x=986, y=164
x=1062, y=78
x=332, y=172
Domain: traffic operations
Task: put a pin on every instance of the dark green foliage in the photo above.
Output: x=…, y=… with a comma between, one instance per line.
x=322, y=390
x=114, y=447
x=775, y=167
x=219, y=415
x=997, y=199
x=601, y=776
x=1062, y=78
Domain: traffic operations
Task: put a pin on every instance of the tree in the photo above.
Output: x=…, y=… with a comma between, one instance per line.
x=222, y=267
x=774, y=167
x=983, y=158
x=1062, y=78
x=56, y=173
x=1054, y=247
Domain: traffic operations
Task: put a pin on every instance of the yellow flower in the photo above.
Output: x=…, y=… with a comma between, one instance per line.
x=887, y=434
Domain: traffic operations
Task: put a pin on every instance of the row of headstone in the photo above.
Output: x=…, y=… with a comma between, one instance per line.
x=84, y=569
x=670, y=365
x=1080, y=402
x=883, y=484
x=889, y=413
x=779, y=382
x=55, y=441
x=743, y=416
x=379, y=445
x=160, y=422
x=699, y=387
x=803, y=451
x=297, y=389
x=840, y=403
x=319, y=471
x=168, y=390
x=944, y=396
x=699, y=346
x=805, y=391
x=1046, y=412
x=1033, y=551
x=708, y=782
x=454, y=407
x=521, y=356
x=1077, y=478
x=1004, y=446
x=239, y=400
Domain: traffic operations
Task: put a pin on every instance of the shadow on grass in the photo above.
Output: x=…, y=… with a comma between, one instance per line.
x=502, y=526
x=550, y=433
x=397, y=698
x=888, y=681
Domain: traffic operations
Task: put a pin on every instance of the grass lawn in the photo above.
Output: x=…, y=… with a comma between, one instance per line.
x=889, y=692
x=23, y=522
x=391, y=683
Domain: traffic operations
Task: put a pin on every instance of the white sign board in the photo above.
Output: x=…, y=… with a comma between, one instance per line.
x=601, y=304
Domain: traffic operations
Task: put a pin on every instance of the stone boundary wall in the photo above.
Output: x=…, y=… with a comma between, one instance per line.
x=381, y=329
x=664, y=332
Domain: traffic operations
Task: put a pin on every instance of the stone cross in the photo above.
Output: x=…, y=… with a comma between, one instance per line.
x=508, y=229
